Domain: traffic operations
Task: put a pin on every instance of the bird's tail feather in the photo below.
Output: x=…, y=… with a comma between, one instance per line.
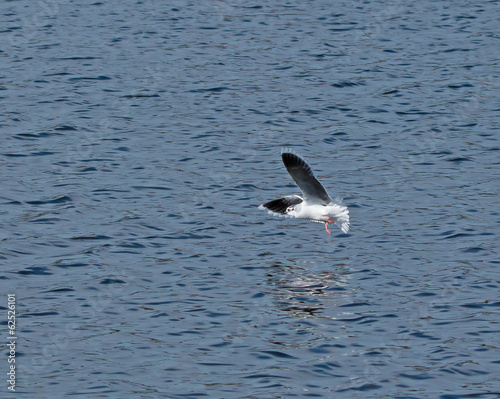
x=342, y=219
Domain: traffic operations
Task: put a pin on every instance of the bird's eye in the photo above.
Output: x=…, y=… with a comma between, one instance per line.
x=290, y=208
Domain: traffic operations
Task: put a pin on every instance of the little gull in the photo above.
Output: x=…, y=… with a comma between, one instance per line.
x=315, y=203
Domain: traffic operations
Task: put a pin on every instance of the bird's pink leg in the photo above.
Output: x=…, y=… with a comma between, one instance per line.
x=326, y=226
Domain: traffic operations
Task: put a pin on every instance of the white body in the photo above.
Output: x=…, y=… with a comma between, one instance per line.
x=322, y=213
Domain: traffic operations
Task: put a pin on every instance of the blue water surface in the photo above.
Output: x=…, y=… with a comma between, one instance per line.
x=138, y=139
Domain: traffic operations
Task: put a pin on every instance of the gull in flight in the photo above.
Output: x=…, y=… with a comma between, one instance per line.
x=315, y=203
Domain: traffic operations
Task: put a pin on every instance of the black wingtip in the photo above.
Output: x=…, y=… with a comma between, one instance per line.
x=289, y=157
x=291, y=161
x=277, y=205
x=280, y=205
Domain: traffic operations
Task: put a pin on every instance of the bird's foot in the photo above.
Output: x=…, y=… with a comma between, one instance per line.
x=328, y=231
x=329, y=220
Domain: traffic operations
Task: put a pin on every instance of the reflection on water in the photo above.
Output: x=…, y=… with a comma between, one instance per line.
x=304, y=293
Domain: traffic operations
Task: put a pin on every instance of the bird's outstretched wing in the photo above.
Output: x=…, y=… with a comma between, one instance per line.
x=280, y=205
x=302, y=174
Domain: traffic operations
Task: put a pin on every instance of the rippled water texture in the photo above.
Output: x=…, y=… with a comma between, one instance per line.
x=138, y=139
